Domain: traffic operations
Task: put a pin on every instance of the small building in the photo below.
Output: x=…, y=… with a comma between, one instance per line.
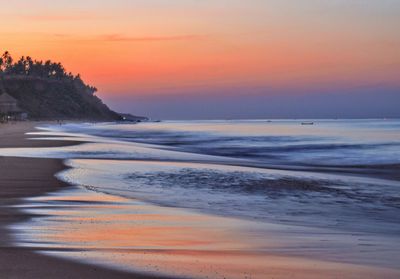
x=9, y=109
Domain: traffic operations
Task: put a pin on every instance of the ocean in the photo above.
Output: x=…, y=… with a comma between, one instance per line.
x=339, y=176
x=332, y=173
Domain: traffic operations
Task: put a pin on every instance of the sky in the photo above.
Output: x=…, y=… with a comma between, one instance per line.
x=206, y=59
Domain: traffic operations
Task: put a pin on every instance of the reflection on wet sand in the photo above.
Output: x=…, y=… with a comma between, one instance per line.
x=132, y=235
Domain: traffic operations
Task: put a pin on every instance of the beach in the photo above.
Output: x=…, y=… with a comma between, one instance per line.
x=28, y=177
x=53, y=229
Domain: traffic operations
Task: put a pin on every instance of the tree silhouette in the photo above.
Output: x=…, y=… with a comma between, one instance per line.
x=26, y=66
x=7, y=61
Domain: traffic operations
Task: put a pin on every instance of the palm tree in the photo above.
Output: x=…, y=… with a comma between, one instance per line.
x=7, y=61
x=2, y=90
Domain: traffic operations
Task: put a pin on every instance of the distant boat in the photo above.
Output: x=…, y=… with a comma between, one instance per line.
x=307, y=123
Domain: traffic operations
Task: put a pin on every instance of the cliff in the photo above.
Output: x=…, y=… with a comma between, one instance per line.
x=44, y=98
x=45, y=90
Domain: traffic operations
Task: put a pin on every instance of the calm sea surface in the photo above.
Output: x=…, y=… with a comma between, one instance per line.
x=252, y=169
x=248, y=190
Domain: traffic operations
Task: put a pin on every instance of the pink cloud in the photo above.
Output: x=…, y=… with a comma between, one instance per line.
x=122, y=38
x=62, y=17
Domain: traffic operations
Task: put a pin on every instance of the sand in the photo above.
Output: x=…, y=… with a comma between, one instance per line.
x=26, y=177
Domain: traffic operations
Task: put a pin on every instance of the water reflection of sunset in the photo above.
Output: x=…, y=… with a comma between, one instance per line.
x=128, y=234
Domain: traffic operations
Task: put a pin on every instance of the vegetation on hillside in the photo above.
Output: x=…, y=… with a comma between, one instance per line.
x=46, y=90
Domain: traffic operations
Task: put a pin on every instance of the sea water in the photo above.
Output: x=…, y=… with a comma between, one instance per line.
x=274, y=171
x=328, y=190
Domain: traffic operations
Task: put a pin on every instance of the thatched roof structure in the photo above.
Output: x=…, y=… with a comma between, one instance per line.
x=8, y=104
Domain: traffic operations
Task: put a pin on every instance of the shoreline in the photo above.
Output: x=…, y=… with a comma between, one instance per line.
x=29, y=177
x=190, y=228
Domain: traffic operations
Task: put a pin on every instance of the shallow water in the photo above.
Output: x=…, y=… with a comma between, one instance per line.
x=212, y=181
x=132, y=235
x=189, y=168
x=327, y=142
x=278, y=196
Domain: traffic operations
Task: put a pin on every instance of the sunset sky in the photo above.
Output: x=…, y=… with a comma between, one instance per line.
x=221, y=58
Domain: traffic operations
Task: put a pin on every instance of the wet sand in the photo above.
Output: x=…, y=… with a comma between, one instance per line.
x=26, y=177
x=133, y=235
x=97, y=227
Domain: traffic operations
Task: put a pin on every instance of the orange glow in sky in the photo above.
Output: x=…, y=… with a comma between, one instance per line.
x=144, y=48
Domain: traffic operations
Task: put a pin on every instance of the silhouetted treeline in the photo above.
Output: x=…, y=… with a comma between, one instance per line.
x=26, y=66
x=46, y=91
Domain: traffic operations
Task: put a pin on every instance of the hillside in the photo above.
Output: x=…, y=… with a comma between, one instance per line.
x=46, y=91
